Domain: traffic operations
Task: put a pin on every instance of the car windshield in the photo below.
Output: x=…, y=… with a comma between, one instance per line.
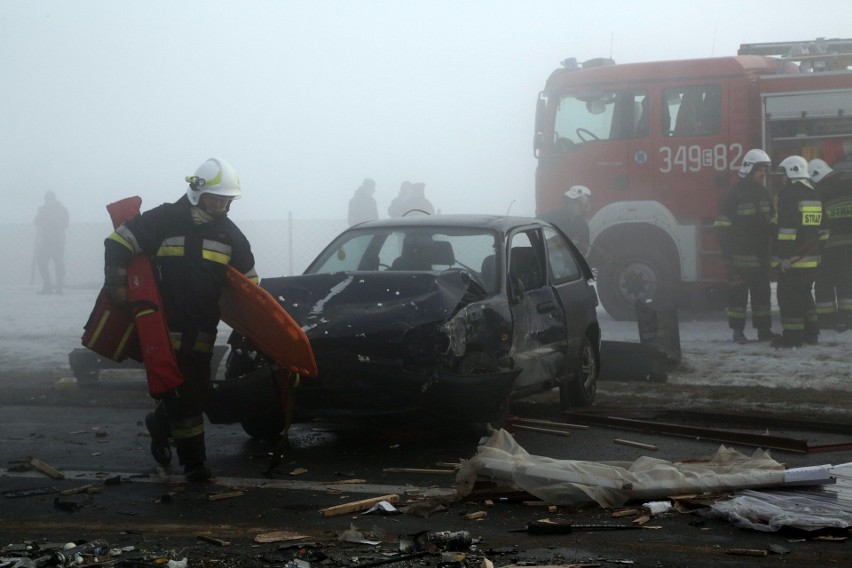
x=420, y=249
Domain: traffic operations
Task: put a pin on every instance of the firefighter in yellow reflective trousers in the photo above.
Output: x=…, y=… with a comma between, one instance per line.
x=833, y=287
x=796, y=253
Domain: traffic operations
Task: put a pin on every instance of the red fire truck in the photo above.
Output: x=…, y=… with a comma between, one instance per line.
x=658, y=143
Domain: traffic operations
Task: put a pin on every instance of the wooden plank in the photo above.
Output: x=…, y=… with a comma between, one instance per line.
x=355, y=506
x=418, y=470
x=544, y=430
x=550, y=423
x=46, y=469
x=635, y=444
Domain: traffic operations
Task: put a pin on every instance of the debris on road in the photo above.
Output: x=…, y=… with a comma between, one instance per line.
x=381, y=507
x=633, y=444
x=355, y=506
x=15, y=493
x=46, y=469
x=747, y=552
x=277, y=536
x=226, y=495
x=213, y=540
x=418, y=470
x=564, y=526
x=574, y=482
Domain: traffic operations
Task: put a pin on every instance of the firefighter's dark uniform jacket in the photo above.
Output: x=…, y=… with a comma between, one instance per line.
x=834, y=278
x=190, y=251
x=190, y=260
x=744, y=225
x=799, y=240
x=835, y=192
x=801, y=232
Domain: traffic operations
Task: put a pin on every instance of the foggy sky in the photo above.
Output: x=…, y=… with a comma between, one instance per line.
x=103, y=99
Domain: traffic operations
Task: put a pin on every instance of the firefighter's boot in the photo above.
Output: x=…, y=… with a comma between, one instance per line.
x=739, y=337
x=158, y=428
x=191, y=450
x=197, y=473
x=766, y=334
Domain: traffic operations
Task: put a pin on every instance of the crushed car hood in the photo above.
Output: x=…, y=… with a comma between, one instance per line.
x=357, y=304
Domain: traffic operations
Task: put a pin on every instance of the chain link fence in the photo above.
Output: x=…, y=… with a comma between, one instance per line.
x=281, y=248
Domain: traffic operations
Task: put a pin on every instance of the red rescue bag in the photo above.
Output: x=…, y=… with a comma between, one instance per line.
x=150, y=336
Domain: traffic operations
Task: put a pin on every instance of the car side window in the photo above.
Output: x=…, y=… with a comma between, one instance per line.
x=692, y=110
x=525, y=260
x=560, y=259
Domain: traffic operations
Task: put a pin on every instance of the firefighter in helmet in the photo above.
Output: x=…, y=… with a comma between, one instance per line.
x=833, y=286
x=190, y=242
x=744, y=226
x=571, y=217
x=796, y=253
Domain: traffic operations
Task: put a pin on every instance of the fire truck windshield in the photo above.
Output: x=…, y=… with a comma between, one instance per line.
x=583, y=118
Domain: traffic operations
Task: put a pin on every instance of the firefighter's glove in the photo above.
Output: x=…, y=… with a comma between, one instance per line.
x=785, y=265
x=115, y=286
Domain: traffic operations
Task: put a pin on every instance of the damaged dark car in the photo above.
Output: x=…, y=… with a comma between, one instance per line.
x=444, y=317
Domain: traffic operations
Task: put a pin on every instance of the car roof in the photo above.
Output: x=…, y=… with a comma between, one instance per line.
x=495, y=222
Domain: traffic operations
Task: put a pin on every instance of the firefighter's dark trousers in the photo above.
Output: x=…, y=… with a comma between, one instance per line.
x=741, y=283
x=796, y=303
x=833, y=287
x=183, y=408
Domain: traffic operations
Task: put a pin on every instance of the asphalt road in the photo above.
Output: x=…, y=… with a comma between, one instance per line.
x=95, y=437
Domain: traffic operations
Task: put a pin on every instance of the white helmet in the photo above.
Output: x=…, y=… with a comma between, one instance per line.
x=578, y=191
x=754, y=157
x=818, y=170
x=215, y=177
x=796, y=167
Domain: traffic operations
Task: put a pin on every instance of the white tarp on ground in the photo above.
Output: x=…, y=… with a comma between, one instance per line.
x=807, y=509
x=612, y=484
x=771, y=511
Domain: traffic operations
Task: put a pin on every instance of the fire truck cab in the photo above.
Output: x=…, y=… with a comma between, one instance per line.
x=658, y=143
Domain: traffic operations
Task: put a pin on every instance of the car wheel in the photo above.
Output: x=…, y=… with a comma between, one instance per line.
x=264, y=426
x=634, y=274
x=579, y=385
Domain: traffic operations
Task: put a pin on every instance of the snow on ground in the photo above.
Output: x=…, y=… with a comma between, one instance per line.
x=710, y=357
x=37, y=333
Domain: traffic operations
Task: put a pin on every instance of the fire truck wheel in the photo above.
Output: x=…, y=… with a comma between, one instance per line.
x=635, y=274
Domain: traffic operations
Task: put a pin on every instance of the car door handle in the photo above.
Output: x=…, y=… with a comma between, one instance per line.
x=545, y=307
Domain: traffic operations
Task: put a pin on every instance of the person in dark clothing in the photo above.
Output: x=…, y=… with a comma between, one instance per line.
x=796, y=254
x=51, y=222
x=191, y=243
x=362, y=206
x=833, y=286
x=571, y=217
x=744, y=226
x=411, y=200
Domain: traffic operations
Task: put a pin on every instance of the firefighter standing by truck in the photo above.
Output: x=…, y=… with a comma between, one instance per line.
x=744, y=225
x=796, y=254
x=191, y=242
x=571, y=217
x=833, y=286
